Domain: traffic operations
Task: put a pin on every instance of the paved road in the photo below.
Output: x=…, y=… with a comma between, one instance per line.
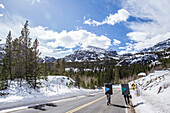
x=95, y=103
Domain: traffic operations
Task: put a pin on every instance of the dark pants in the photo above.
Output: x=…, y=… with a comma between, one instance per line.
x=126, y=99
x=108, y=99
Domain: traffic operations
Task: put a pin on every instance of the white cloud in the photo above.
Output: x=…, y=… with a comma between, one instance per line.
x=45, y=51
x=121, y=15
x=144, y=42
x=154, y=28
x=65, y=52
x=70, y=39
x=151, y=41
x=137, y=36
x=43, y=33
x=48, y=51
x=58, y=49
x=129, y=48
x=122, y=48
x=2, y=6
x=57, y=53
x=125, y=52
x=122, y=52
x=93, y=22
x=116, y=42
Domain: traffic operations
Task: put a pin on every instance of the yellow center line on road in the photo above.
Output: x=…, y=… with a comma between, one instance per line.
x=85, y=105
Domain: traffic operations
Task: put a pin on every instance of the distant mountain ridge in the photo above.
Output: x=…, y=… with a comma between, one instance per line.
x=158, y=47
x=48, y=59
x=138, y=59
x=91, y=53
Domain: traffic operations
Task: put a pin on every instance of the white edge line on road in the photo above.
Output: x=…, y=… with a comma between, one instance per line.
x=13, y=109
x=25, y=107
x=126, y=110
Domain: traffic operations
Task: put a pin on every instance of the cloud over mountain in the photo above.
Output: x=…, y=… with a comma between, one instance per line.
x=154, y=26
x=121, y=15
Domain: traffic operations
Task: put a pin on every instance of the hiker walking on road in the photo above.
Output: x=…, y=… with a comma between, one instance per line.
x=108, y=99
x=126, y=97
x=108, y=92
x=126, y=93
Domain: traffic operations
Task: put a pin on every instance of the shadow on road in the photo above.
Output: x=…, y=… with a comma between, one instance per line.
x=41, y=107
x=138, y=104
x=120, y=106
x=51, y=105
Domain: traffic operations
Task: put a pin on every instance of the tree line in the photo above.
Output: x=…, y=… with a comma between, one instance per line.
x=100, y=74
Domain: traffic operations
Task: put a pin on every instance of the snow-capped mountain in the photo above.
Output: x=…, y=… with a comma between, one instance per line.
x=158, y=47
x=91, y=53
x=138, y=59
x=48, y=59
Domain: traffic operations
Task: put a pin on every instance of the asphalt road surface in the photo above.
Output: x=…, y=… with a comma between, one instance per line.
x=94, y=103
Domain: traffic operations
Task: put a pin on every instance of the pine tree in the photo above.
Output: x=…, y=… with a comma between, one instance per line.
x=101, y=78
x=70, y=72
x=92, y=84
x=8, y=56
x=45, y=70
x=117, y=75
x=62, y=66
x=77, y=81
x=36, y=55
x=83, y=84
x=4, y=77
x=18, y=61
x=26, y=45
x=98, y=82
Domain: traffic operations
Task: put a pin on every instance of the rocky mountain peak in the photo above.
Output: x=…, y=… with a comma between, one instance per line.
x=158, y=47
x=90, y=53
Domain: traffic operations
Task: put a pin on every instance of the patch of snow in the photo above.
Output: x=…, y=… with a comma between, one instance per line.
x=116, y=58
x=101, y=56
x=74, y=69
x=96, y=49
x=154, y=91
x=12, y=98
x=142, y=73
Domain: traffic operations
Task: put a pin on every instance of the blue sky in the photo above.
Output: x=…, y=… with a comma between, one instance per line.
x=63, y=26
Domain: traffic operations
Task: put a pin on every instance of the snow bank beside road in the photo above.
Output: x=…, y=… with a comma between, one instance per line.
x=57, y=87
x=154, y=91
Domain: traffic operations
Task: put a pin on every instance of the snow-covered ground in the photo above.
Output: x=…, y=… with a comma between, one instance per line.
x=154, y=91
x=57, y=87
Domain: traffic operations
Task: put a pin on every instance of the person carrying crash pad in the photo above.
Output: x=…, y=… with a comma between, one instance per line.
x=126, y=93
x=108, y=92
